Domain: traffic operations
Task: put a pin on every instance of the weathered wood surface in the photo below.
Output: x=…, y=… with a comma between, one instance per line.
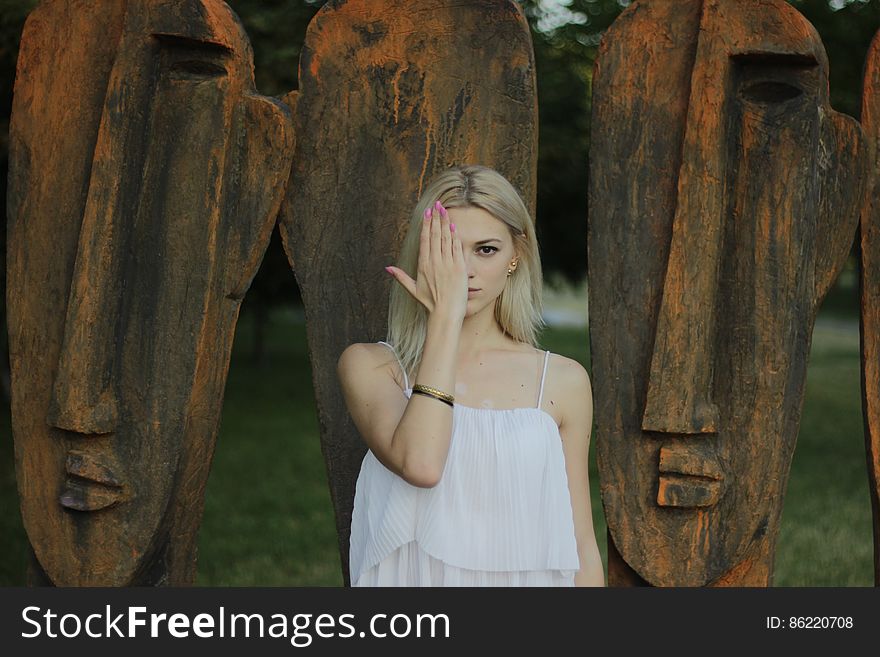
x=724, y=197
x=391, y=93
x=145, y=179
x=870, y=290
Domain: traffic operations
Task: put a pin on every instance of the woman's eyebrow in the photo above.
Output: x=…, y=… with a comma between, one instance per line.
x=494, y=239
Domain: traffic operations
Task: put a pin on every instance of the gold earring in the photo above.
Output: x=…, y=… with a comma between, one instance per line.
x=512, y=267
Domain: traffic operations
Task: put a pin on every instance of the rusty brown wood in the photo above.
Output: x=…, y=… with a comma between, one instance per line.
x=870, y=290
x=145, y=178
x=391, y=92
x=724, y=197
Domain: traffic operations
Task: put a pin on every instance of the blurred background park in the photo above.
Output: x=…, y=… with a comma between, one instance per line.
x=268, y=517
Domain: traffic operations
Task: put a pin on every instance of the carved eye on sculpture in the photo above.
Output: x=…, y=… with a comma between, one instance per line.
x=191, y=59
x=768, y=80
x=197, y=70
x=767, y=92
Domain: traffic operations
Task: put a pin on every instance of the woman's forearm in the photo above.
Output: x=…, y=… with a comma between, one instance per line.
x=591, y=572
x=421, y=440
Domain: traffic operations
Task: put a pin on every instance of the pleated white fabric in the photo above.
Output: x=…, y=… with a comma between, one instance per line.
x=500, y=516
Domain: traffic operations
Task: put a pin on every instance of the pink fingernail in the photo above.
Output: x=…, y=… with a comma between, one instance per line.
x=452, y=227
x=427, y=213
x=389, y=270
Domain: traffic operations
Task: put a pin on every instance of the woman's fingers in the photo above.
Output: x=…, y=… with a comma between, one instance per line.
x=436, y=236
x=445, y=233
x=457, y=251
x=440, y=260
x=404, y=279
x=425, y=240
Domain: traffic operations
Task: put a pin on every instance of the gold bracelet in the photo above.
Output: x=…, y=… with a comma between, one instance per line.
x=428, y=391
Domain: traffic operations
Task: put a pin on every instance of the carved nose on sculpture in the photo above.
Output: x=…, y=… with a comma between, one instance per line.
x=679, y=392
x=83, y=396
x=689, y=415
x=84, y=392
x=72, y=410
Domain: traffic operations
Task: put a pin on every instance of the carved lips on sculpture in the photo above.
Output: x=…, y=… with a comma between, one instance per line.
x=146, y=174
x=724, y=197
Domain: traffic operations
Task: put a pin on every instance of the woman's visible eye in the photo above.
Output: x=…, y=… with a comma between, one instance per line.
x=492, y=249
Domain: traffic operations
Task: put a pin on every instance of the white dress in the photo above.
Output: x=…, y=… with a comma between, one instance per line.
x=500, y=515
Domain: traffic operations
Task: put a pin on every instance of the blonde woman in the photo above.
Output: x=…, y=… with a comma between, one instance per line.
x=476, y=473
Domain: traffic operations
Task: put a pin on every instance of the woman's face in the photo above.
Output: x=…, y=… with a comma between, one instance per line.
x=488, y=251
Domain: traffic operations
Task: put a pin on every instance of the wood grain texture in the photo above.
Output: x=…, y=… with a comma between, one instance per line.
x=870, y=290
x=391, y=93
x=724, y=196
x=145, y=178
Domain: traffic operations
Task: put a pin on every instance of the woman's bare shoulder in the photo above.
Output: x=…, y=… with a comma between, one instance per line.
x=568, y=383
x=364, y=359
x=567, y=367
x=366, y=353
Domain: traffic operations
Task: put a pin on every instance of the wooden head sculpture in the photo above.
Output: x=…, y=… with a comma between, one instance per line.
x=145, y=178
x=724, y=196
x=391, y=93
x=870, y=286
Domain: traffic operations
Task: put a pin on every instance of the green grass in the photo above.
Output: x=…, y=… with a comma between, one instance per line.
x=269, y=521
x=825, y=535
x=268, y=515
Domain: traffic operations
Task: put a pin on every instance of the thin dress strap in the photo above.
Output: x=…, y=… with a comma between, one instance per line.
x=543, y=376
x=402, y=369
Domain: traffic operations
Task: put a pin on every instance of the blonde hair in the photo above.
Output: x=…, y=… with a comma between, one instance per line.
x=518, y=310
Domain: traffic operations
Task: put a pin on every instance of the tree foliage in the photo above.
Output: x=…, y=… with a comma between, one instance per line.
x=564, y=57
x=846, y=33
x=277, y=29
